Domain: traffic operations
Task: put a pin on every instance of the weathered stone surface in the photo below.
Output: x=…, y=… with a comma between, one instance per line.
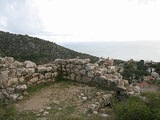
x=14, y=96
x=95, y=112
x=2, y=60
x=41, y=69
x=84, y=98
x=79, y=67
x=25, y=93
x=30, y=70
x=101, y=80
x=126, y=83
x=33, y=80
x=4, y=78
x=12, y=73
x=87, y=80
x=98, y=73
x=20, y=98
x=48, y=75
x=49, y=69
x=83, y=72
x=78, y=78
x=104, y=115
x=105, y=100
x=41, y=77
x=90, y=67
x=55, y=68
x=1, y=96
x=48, y=108
x=21, y=87
x=90, y=74
x=45, y=113
x=137, y=90
x=19, y=71
x=72, y=76
x=76, y=71
x=6, y=95
x=30, y=64
x=58, y=61
x=121, y=88
x=18, y=64
x=21, y=80
x=155, y=74
x=55, y=74
x=8, y=60
x=10, y=90
x=2, y=65
x=13, y=81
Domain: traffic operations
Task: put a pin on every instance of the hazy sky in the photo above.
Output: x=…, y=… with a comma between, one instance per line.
x=82, y=20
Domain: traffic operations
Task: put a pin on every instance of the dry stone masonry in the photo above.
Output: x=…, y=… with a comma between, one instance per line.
x=16, y=77
x=91, y=73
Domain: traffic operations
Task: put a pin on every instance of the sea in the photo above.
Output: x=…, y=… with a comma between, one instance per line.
x=123, y=50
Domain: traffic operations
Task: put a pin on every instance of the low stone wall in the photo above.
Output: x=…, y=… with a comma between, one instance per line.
x=81, y=70
x=16, y=77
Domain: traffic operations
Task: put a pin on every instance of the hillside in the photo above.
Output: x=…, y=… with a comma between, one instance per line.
x=24, y=47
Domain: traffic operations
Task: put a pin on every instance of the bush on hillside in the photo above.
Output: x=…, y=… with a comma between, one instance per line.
x=137, y=109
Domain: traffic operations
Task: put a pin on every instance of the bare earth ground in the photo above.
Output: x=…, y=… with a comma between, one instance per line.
x=63, y=101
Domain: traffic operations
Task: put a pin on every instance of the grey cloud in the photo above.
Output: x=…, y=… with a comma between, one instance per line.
x=19, y=16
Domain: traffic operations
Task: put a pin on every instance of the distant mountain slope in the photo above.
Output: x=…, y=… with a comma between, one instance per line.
x=24, y=47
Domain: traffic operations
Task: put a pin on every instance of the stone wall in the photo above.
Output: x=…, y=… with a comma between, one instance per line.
x=81, y=70
x=16, y=77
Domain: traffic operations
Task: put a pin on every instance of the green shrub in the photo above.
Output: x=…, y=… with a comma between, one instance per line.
x=137, y=109
x=132, y=109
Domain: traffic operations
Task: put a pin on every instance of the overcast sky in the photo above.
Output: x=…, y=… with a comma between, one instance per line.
x=82, y=20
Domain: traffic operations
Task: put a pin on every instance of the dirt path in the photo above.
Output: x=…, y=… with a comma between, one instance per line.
x=60, y=93
x=63, y=101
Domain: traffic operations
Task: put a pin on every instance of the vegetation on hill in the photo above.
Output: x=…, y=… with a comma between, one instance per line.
x=24, y=47
x=134, y=70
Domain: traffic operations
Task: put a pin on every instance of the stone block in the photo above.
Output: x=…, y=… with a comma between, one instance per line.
x=13, y=81
x=33, y=80
x=30, y=64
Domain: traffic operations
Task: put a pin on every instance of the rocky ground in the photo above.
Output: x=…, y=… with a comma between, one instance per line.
x=67, y=100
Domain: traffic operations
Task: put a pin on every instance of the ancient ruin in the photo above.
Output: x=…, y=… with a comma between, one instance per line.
x=16, y=77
